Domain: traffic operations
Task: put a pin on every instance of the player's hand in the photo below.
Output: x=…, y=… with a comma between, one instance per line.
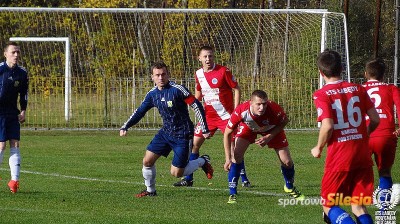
x=21, y=117
x=262, y=141
x=316, y=152
x=397, y=133
x=227, y=165
x=207, y=135
x=122, y=132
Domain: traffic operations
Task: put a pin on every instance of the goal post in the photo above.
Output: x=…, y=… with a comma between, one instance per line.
x=111, y=51
x=67, y=73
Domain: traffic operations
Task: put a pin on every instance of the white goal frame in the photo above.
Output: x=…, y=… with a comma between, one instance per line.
x=108, y=52
x=67, y=71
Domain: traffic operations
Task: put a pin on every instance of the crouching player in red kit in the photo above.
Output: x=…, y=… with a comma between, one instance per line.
x=258, y=116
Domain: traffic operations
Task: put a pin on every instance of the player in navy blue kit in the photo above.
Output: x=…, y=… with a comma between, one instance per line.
x=13, y=85
x=176, y=134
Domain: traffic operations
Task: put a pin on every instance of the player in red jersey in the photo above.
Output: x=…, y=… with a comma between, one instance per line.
x=220, y=92
x=383, y=141
x=257, y=116
x=342, y=107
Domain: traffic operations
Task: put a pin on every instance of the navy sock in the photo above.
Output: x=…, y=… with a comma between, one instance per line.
x=338, y=215
x=364, y=219
x=193, y=156
x=288, y=175
x=385, y=182
x=233, y=177
x=243, y=172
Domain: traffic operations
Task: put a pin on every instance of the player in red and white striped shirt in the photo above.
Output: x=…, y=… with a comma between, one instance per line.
x=383, y=141
x=220, y=92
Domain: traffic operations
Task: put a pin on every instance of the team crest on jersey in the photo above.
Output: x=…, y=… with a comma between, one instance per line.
x=169, y=103
x=266, y=122
x=214, y=81
x=16, y=84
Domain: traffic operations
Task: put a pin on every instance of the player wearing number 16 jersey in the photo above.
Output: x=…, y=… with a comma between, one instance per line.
x=342, y=107
x=383, y=141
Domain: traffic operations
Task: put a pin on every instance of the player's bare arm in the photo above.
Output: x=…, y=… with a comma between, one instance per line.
x=236, y=94
x=198, y=95
x=374, y=120
x=227, y=147
x=325, y=133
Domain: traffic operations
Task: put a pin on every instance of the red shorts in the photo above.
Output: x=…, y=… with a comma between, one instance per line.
x=213, y=126
x=279, y=141
x=347, y=187
x=384, y=150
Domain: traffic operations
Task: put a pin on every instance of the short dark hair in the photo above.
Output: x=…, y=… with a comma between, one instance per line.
x=375, y=69
x=329, y=62
x=260, y=94
x=10, y=43
x=205, y=48
x=158, y=65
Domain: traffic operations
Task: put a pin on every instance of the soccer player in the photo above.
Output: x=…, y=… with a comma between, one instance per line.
x=342, y=107
x=176, y=134
x=13, y=84
x=383, y=141
x=258, y=116
x=221, y=94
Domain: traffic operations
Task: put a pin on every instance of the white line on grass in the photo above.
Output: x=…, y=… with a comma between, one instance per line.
x=141, y=183
x=41, y=210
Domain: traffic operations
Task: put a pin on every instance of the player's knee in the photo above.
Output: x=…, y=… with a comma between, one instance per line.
x=147, y=163
x=176, y=172
x=14, y=143
x=2, y=146
x=287, y=163
x=196, y=148
x=237, y=158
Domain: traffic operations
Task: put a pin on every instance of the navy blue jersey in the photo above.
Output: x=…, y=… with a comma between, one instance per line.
x=171, y=103
x=13, y=83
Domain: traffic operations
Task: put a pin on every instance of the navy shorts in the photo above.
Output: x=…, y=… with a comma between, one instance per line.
x=9, y=128
x=163, y=143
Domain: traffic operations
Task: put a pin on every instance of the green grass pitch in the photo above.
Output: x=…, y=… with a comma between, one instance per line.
x=91, y=177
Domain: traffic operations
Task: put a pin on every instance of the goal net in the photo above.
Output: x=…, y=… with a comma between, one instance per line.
x=111, y=51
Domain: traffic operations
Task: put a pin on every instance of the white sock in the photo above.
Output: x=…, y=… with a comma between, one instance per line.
x=15, y=163
x=193, y=165
x=149, y=175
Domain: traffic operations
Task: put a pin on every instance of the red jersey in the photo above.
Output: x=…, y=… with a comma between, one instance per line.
x=216, y=88
x=273, y=115
x=385, y=96
x=347, y=104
